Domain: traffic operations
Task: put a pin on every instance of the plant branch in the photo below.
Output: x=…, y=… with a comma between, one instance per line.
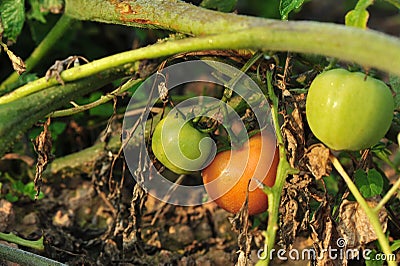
x=283, y=170
x=372, y=214
x=103, y=99
x=21, y=114
x=41, y=50
x=24, y=257
x=366, y=47
x=331, y=40
x=10, y=237
x=388, y=195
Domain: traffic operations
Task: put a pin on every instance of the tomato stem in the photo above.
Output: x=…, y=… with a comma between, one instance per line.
x=371, y=213
x=283, y=170
x=54, y=35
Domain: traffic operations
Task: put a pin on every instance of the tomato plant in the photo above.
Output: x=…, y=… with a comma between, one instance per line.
x=179, y=146
x=349, y=110
x=227, y=177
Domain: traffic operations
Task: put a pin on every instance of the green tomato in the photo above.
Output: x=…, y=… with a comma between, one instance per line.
x=179, y=146
x=349, y=111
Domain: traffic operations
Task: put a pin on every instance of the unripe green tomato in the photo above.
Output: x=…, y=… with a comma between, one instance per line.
x=179, y=146
x=349, y=110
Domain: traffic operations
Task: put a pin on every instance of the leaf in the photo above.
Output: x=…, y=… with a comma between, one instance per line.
x=12, y=18
x=396, y=3
x=36, y=12
x=395, y=246
x=370, y=261
x=318, y=161
x=220, y=5
x=17, y=63
x=357, y=18
x=54, y=6
x=394, y=82
x=287, y=6
x=354, y=225
x=370, y=184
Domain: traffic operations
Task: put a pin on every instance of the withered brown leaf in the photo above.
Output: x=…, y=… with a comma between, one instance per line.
x=318, y=161
x=42, y=145
x=17, y=63
x=354, y=225
x=325, y=236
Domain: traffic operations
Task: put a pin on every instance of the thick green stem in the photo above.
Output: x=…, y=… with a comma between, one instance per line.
x=41, y=50
x=365, y=47
x=25, y=258
x=20, y=115
x=372, y=214
x=307, y=37
x=10, y=237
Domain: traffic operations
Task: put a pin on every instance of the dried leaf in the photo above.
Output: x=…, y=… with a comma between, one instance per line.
x=325, y=236
x=293, y=133
x=240, y=224
x=17, y=63
x=354, y=225
x=318, y=161
x=42, y=145
x=294, y=209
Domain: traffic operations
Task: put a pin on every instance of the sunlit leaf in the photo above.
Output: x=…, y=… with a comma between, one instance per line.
x=357, y=18
x=287, y=6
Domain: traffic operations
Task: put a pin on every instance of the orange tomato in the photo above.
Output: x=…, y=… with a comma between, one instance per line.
x=227, y=178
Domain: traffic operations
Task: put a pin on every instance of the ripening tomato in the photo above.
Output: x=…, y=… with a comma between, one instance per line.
x=227, y=177
x=349, y=110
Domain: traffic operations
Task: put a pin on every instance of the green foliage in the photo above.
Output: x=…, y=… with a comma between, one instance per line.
x=396, y=3
x=220, y=5
x=287, y=6
x=370, y=261
x=370, y=184
x=394, y=82
x=18, y=189
x=358, y=17
x=12, y=18
x=395, y=246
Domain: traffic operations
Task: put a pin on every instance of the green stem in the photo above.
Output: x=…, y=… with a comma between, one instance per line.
x=103, y=99
x=23, y=257
x=372, y=214
x=388, y=195
x=10, y=237
x=41, y=50
x=20, y=115
x=346, y=43
x=283, y=170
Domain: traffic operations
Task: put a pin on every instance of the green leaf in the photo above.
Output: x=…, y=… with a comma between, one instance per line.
x=12, y=18
x=36, y=12
x=287, y=6
x=370, y=260
x=396, y=3
x=394, y=82
x=370, y=184
x=395, y=246
x=357, y=18
x=220, y=5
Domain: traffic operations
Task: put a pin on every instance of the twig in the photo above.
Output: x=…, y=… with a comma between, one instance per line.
x=25, y=258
